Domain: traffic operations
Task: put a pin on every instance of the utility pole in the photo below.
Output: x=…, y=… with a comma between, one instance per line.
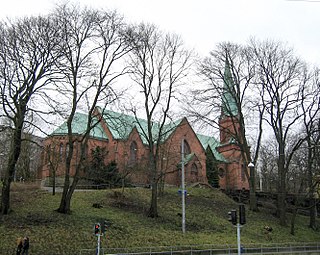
x=98, y=245
x=233, y=218
x=238, y=238
x=183, y=189
x=97, y=232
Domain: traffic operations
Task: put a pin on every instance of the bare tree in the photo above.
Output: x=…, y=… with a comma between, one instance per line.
x=27, y=54
x=282, y=77
x=311, y=126
x=268, y=166
x=158, y=64
x=92, y=43
x=228, y=75
x=52, y=157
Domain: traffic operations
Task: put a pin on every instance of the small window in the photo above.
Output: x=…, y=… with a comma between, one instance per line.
x=133, y=153
x=221, y=173
x=60, y=152
x=47, y=158
x=194, y=169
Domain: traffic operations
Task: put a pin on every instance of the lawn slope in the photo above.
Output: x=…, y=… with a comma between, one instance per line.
x=33, y=214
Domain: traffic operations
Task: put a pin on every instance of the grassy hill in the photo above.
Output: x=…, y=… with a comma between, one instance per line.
x=206, y=221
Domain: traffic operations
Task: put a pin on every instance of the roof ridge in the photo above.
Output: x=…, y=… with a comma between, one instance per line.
x=79, y=127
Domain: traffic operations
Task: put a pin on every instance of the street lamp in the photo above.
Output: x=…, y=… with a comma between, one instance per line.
x=252, y=195
x=251, y=168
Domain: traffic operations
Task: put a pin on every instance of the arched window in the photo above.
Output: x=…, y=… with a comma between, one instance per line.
x=221, y=172
x=186, y=148
x=60, y=152
x=47, y=154
x=133, y=153
x=194, y=169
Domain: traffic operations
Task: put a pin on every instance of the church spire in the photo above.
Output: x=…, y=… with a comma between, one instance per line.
x=229, y=104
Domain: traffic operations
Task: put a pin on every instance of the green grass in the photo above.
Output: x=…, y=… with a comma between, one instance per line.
x=33, y=214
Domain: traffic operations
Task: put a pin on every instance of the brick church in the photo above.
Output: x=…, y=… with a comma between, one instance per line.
x=122, y=137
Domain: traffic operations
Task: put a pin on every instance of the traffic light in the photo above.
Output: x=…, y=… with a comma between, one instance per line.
x=97, y=229
x=232, y=217
x=104, y=227
x=242, y=214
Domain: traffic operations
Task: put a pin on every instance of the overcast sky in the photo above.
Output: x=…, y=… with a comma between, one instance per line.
x=204, y=23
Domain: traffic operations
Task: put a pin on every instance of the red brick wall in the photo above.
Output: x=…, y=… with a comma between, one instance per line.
x=232, y=175
x=228, y=127
x=119, y=150
x=169, y=158
x=58, y=154
x=172, y=153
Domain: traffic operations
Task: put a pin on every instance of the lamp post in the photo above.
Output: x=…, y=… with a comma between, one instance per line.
x=251, y=167
x=253, y=203
x=183, y=189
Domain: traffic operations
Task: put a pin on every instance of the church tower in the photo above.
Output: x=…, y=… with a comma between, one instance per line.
x=232, y=174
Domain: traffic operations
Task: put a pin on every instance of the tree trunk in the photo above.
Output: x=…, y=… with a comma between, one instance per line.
x=282, y=204
x=64, y=207
x=68, y=188
x=66, y=196
x=66, y=201
x=293, y=219
x=281, y=188
x=153, y=211
x=253, y=198
x=313, y=214
x=9, y=174
x=5, y=197
x=253, y=201
x=54, y=183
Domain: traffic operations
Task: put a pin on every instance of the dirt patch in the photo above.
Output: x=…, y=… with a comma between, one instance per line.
x=29, y=220
x=38, y=219
x=119, y=200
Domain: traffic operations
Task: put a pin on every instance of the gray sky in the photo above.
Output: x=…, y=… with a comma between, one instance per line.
x=203, y=23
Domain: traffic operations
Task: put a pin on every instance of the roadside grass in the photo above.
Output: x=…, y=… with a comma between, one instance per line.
x=33, y=214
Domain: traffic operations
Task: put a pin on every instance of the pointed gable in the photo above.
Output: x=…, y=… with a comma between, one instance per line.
x=121, y=125
x=212, y=143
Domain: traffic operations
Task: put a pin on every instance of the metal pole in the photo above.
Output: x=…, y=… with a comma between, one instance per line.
x=238, y=238
x=183, y=188
x=98, y=245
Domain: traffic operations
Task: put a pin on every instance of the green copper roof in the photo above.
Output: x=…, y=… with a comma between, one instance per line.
x=121, y=125
x=79, y=126
x=208, y=141
x=229, y=105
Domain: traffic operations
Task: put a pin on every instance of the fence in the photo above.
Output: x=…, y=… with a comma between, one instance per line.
x=253, y=249
x=306, y=248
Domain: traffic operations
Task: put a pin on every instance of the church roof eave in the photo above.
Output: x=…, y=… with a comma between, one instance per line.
x=79, y=126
